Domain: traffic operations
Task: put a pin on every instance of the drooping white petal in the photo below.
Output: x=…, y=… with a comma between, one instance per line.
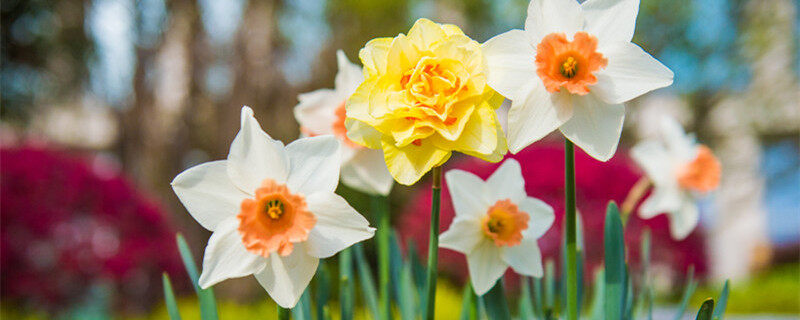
x=486, y=266
x=468, y=193
x=255, y=156
x=595, y=126
x=681, y=146
x=208, y=193
x=541, y=217
x=314, y=164
x=663, y=199
x=226, y=256
x=510, y=60
x=285, y=278
x=366, y=171
x=548, y=16
x=535, y=115
x=349, y=76
x=611, y=21
x=338, y=225
x=316, y=111
x=630, y=72
x=463, y=235
x=683, y=221
x=655, y=160
x=525, y=258
x=506, y=183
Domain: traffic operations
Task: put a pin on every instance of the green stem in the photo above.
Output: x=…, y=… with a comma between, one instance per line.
x=572, y=266
x=433, y=243
x=284, y=314
x=346, y=284
x=380, y=208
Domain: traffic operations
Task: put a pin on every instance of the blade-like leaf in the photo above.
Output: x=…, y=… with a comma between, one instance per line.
x=495, y=302
x=525, y=303
x=302, y=311
x=396, y=264
x=691, y=285
x=366, y=282
x=706, y=310
x=208, y=304
x=347, y=289
x=169, y=298
x=407, y=297
x=647, y=293
x=615, y=274
x=722, y=303
x=549, y=285
x=597, y=309
x=538, y=298
x=323, y=289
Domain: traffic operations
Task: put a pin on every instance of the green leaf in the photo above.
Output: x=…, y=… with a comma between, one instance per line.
x=597, y=309
x=538, y=298
x=525, y=303
x=169, y=298
x=205, y=297
x=722, y=303
x=495, y=302
x=323, y=289
x=691, y=285
x=302, y=311
x=347, y=289
x=615, y=275
x=367, y=281
x=549, y=285
x=706, y=310
x=647, y=292
x=396, y=264
x=628, y=307
x=407, y=296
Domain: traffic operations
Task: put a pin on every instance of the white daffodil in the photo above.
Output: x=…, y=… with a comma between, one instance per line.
x=572, y=68
x=679, y=169
x=322, y=112
x=496, y=224
x=272, y=210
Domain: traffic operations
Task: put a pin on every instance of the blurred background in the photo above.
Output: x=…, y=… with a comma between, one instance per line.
x=105, y=101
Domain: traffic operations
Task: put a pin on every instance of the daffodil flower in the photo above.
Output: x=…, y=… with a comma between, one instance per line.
x=322, y=112
x=272, y=210
x=423, y=97
x=572, y=68
x=496, y=224
x=680, y=169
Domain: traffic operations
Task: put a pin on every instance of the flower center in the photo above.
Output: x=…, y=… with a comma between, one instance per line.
x=338, y=127
x=274, y=220
x=504, y=223
x=568, y=64
x=702, y=174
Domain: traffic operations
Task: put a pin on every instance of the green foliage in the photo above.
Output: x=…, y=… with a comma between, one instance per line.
x=495, y=303
x=782, y=283
x=169, y=298
x=615, y=270
x=706, y=310
x=208, y=304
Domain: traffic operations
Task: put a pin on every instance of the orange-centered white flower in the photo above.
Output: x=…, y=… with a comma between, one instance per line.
x=323, y=112
x=272, y=210
x=679, y=169
x=424, y=96
x=572, y=68
x=496, y=224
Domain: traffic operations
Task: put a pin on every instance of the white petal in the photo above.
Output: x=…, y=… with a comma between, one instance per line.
x=681, y=146
x=595, y=126
x=208, y=194
x=535, y=115
x=255, y=156
x=349, y=76
x=316, y=111
x=631, y=72
x=541, y=216
x=548, y=16
x=468, y=193
x=611, y=21
x=683, y=221
x=314, y=163
x=655, y=160
x=338, y=225
x=506, y=183
x=663, y=199
x=366, y=171
x=226, y=256
x=285, y=278
x=525, y=258
x=463, y=235
x=510, y=60
x=486, y=266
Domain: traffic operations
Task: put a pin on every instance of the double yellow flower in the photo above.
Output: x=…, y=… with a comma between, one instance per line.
x=424, y=96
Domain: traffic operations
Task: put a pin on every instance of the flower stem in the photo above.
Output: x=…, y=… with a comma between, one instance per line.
x=380, y=208
x=283, y=313
x=346, y=285
x=634, y=195
x=570, y=220
x=433, y=243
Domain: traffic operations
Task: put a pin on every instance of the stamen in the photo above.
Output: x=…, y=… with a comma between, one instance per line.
x=274, y=209
x=570, y=67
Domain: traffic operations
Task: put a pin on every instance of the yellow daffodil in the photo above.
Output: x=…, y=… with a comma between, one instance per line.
x=425, y=95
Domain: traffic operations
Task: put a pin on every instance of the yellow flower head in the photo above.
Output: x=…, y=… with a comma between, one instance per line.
x=425, y=95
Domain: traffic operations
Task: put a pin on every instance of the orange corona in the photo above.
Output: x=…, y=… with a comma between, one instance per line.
x=702, y=173
x=274, y=220
x=504, y=223
x=569, y=64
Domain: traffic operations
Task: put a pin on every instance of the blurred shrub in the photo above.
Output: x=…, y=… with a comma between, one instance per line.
x=72, y=225
x=776, y=290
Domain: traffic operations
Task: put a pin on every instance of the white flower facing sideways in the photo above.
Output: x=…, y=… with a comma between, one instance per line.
x=322, y=112
x=572, y=68
x=272, y=210
x=496, y=224
x=680, y=169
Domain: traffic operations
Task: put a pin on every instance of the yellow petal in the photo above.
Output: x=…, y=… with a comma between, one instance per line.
x=451, y=29
x=373, y=55
x=362, y=133
x=408, y=164
x=499, y=151
x=479, y=135
x=357, y=105
x=425, y=33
